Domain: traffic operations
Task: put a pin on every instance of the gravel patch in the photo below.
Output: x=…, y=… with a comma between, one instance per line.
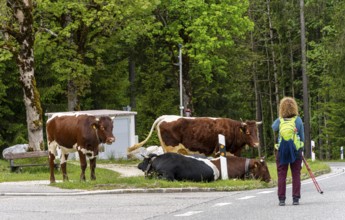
x=124, y=170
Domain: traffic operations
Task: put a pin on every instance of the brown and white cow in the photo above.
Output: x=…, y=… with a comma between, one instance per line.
x=82, y=133
x=243, y=168
x=200, y=135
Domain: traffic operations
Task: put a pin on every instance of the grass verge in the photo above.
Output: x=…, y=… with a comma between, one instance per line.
x=107, y=179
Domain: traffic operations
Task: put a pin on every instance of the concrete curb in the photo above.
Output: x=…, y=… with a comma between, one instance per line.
x=35, y=188
x=115, y=191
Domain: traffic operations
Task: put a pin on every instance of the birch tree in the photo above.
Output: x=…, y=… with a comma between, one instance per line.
x=18, y=35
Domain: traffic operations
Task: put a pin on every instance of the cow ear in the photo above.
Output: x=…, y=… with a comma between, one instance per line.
x=95, y=124
x=243, y=127
x=256, y=164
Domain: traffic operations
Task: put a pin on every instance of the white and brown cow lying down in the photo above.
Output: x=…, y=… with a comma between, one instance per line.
x=188, y=135
x=172, y=166
x=82, y=133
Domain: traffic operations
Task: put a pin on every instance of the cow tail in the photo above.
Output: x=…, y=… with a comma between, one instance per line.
x=136, y=146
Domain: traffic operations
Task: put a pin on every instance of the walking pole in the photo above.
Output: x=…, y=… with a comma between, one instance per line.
x=312, y=176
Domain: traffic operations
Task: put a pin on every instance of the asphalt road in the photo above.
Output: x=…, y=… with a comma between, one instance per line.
x=43, y=202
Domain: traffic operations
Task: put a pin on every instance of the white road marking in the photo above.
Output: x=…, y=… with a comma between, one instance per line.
x=265, y=192
x=221, y=204
x=188, y=213
x=246, y=197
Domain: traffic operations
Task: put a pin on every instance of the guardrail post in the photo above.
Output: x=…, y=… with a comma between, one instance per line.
x=342, y=153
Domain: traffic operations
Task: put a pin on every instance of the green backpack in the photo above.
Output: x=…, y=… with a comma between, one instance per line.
x=288, y=131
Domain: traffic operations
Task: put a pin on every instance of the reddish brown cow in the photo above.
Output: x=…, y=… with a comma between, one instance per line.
x=82, y=133
x=200, y=135
x=242, y=168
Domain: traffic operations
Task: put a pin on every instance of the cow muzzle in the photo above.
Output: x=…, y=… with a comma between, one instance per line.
x=110, y=140
x=256, y=145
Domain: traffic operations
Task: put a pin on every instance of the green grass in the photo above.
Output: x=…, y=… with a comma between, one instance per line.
x=107, y=179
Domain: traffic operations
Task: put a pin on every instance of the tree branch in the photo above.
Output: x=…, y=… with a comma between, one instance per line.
x=49, y=31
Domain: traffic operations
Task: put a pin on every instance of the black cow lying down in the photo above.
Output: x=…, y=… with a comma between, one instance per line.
x=172, y=166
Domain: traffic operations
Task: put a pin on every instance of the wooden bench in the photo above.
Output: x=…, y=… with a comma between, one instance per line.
x=34, y=154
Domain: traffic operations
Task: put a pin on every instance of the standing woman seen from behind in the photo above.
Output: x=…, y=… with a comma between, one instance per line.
x=289, y=148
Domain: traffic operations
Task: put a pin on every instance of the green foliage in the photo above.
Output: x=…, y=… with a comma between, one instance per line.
x=327, y=70
x=226, y=45
x=74, y=44
x=12, y=114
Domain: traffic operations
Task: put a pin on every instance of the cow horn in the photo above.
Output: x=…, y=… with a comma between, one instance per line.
x=144, y=156
x=259, y=122
x=243, y=124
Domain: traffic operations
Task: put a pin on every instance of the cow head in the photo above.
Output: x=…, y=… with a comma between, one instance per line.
x=104, y=127
x=260, y=170
x=146, y=164
x=250, y=133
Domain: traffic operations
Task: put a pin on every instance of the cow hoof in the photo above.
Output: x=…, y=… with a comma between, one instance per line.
x=82, y=179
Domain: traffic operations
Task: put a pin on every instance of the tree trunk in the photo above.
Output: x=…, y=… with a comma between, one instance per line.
x=257, y=99
x=72, y=96
x=275, y=70
x=22, y=12
x=186, y=85
x=292, y=76
x=275, y=139
x=131, y=64
x=320, y=121
x=258, y=110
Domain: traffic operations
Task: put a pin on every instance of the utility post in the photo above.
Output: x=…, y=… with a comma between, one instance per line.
x=181, y=84
x=305, y=83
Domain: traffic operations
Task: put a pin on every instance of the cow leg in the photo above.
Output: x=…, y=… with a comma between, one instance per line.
x=83, y=165
x=51, y=158
x=64, y=168
x=92, y=168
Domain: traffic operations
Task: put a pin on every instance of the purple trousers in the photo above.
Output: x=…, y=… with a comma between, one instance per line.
x=282, y=170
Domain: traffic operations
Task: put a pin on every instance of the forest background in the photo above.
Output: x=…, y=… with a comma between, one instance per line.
x=239, y=59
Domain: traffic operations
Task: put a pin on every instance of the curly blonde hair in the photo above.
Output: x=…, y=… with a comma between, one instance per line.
x=288, y=107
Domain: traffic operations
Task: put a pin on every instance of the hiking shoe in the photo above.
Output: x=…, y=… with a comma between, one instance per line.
x=281, y=202
x=295, y=201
